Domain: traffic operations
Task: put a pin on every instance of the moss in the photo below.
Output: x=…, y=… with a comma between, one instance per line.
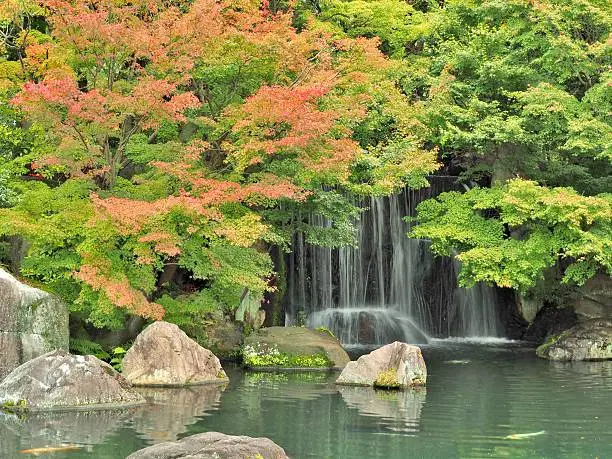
x=387, y=379
x=12, y=406
x=541, y=350
x=326, y=330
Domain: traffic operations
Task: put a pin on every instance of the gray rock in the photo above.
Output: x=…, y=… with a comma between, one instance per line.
x=213, y=445
x=594, y=299
x=62, y=381
x=396, y=365
x=32, y=322
x=224, y=337
x=302, y=341
x=589, y=340
x=163, y=355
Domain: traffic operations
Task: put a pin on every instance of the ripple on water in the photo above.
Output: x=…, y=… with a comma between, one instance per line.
x=468, y=410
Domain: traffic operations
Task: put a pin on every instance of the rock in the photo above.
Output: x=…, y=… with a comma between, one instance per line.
x=224, y=337
x=213, y=445
x=594, y=299
x=300, y=341
x=62, y=381
x=528, y=307
x=590, y=340
x=163, y=355
x=550, y=321
x=396, y=365
x=32, y=322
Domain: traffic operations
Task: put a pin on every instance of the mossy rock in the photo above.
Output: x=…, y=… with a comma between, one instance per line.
x=590, y=340
x=301, y=345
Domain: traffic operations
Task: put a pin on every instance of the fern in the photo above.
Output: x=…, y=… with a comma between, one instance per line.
x=87, y=347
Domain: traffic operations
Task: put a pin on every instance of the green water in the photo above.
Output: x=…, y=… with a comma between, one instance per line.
x=477, y=394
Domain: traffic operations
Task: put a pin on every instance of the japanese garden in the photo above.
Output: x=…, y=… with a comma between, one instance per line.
x=305, y=228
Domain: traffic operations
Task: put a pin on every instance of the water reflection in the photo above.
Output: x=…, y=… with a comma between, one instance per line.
x=288, y=386
x=171, y=410
x=399, y=411
x=37, y=430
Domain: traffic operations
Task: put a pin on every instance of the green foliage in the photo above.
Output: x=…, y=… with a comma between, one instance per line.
x=501, y=87
x=510, y=235
x=114, y=193
x=117, y=358
x=87, y=347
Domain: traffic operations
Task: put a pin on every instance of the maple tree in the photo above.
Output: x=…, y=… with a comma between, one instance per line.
x=174, y=131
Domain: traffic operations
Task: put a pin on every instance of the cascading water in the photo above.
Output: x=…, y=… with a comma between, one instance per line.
x=388, y=287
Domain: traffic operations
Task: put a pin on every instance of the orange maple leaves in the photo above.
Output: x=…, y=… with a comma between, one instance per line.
x=283, y=119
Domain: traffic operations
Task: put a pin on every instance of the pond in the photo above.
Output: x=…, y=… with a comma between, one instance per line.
x=479, y=396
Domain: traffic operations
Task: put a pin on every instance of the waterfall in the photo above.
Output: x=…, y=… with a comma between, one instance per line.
x=388, y=287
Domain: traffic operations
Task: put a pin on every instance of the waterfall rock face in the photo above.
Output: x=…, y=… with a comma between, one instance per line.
x=396, y=365
x=589, y=340
x=32, y=322
x=213, y=445
x=62, y=381
x=594, y=299
x=300, y=341
x=387, y=287
x=163, y=355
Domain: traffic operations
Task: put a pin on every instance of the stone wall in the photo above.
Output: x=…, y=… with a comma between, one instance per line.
x=32, y=322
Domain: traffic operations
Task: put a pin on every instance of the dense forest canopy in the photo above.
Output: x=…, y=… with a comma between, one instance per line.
x=138, y=138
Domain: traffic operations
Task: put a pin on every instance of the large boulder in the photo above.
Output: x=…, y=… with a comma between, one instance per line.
x=589, y=340
x=213, y=445
x=550, y=321
x=163, y=355
x=300, y=341
x=32, y=322
x=396, y=365
x=62, y=381
x=594, y=299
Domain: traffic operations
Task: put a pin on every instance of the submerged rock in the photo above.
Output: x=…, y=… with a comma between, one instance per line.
x=589, y=340
x=62, y=381
x=396, y=365
x=32, y=322
x=213, y=445
x=300, y=341
x=163, y=355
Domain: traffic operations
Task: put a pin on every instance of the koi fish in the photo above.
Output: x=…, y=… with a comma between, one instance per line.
x=525, y=435
x=50, y=449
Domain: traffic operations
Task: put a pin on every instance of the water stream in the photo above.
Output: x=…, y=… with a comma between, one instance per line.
x=388, y=287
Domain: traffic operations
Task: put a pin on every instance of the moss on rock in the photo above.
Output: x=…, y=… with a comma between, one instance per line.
x=387, y=379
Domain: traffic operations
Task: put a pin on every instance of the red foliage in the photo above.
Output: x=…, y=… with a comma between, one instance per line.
x=119, y=292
